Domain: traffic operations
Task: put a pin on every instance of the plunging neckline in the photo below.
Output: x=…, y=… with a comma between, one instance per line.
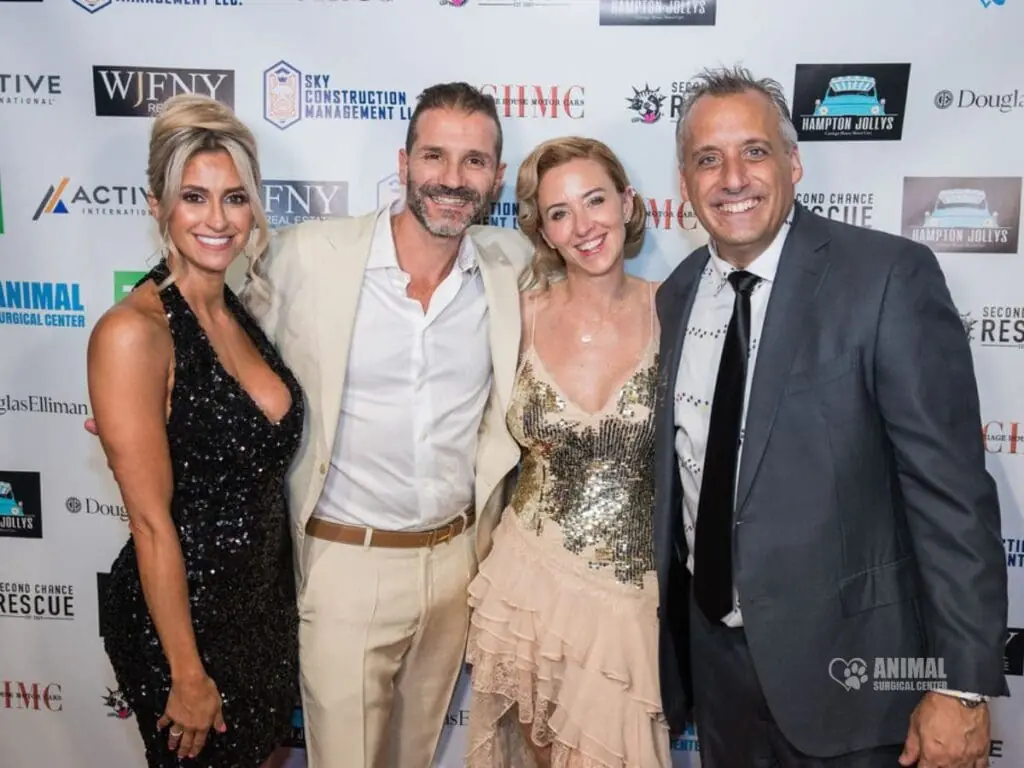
x=220, y=365
x=552, y=380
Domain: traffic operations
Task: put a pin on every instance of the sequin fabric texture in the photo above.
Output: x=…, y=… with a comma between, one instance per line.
x=592, y=474
x=229, y=463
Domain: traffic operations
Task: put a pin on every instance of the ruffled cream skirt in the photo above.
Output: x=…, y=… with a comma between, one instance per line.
x=567, y=650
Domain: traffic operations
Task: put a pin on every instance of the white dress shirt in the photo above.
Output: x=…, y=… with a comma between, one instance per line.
x=415, y=390
x=698, y=371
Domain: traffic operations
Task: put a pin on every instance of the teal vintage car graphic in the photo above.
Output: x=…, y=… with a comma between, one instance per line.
x=961, y=208
x=850, y=96
x=9, y=506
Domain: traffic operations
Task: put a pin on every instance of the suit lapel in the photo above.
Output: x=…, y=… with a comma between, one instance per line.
x=339, y=282
x=502, y=292
x=802, y=267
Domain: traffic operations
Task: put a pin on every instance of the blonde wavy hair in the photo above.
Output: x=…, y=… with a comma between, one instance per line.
x=186, y=126
x=547, y=265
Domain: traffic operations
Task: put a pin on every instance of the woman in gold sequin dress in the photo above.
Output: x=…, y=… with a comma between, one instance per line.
x=564, y=632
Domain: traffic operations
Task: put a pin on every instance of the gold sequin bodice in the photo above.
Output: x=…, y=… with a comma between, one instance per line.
x=590, y=473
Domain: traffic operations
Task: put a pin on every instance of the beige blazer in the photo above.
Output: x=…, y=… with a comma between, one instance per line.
x=315, y=271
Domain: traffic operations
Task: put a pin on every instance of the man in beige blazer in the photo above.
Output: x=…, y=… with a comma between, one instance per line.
x=403, y=328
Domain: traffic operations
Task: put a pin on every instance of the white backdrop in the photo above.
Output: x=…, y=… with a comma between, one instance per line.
x=328, y=86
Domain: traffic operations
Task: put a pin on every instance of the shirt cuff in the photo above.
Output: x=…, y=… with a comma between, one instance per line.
x=961, y=694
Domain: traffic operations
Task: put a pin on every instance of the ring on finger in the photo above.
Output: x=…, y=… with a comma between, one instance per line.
x=177, y=732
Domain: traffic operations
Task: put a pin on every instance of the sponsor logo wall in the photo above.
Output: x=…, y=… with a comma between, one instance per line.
x=897, y=133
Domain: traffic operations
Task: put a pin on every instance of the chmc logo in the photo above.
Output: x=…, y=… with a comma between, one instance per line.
x=1003, y=437
x=38, y=697
x=537, y=101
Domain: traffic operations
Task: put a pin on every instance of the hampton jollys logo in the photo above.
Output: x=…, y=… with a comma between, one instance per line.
x=850, y=102
x=963, y=215
x=694, y=13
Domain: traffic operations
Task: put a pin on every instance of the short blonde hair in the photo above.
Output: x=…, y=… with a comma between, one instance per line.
x=186, y=126
x=548, y=265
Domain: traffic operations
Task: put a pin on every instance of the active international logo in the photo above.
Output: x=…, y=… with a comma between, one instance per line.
x=850, y=102
x=289, y=95
x=963, y=214
x=695, y=13
x=64, y=198
x=92, y=6
x=291, y=201
x=122, y=91
x=21, y=511
x=989, y=3
x=39, y=89
x=41, y=304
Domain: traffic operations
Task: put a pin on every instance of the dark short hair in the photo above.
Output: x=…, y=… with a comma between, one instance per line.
x=461, y=96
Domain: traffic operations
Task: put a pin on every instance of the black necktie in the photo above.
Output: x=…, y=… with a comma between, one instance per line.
x=712, y=557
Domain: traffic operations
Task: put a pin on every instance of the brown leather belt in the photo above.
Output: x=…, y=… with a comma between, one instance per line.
x=357, y=534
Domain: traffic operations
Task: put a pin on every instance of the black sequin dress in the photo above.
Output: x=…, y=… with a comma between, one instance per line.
x=229, y=463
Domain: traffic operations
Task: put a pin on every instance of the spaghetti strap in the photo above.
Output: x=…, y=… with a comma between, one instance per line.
x=654, y=312
x=533, y=323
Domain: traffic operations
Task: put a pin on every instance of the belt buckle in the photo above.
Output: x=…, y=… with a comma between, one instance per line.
x=442, y=535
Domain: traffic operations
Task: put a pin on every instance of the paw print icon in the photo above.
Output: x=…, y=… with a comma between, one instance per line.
x=852, y=674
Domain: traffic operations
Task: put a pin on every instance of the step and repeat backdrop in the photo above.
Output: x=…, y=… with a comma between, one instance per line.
x=910, y=117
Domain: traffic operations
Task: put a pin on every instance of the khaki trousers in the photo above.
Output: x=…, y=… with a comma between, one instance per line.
x=382, y=636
